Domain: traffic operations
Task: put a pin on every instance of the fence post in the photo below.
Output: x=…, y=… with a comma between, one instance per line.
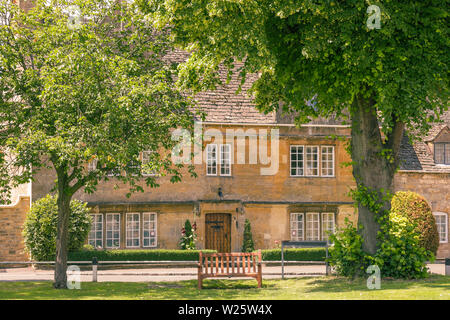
x=447, y=266
x=282, y=260
x=94, y=269
x=327, y=266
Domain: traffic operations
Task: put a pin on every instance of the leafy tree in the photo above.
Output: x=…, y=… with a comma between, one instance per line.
x=248, y=245
x=324, y=58
x=90, y=87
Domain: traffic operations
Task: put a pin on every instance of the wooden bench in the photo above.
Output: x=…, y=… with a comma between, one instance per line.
x=215, y=265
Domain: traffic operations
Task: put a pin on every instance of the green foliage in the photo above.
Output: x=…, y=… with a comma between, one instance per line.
x=137, y=255
x=372, y=199
x=401, y=254
x=346, y=254
x=418, y=211
x=247, y=244
x=294, y=254
x=320, y=49
x=71, y=96
x=40, y=227
x=188, y=236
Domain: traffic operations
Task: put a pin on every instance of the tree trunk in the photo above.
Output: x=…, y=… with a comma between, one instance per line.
x=62, y=232
x=371, y=169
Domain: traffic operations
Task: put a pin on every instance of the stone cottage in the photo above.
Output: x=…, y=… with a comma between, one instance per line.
x=290, y=182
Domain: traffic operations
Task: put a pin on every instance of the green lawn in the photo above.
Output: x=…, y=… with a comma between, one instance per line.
x=434, y=287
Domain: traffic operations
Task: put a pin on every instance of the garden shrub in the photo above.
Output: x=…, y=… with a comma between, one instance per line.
x=40, y=227
x=137, y=255
x=418, y=211
x=346, y=254
x=248, y=245
x=401, y=254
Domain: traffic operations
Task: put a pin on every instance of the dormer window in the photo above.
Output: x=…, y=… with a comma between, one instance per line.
x=442, y=153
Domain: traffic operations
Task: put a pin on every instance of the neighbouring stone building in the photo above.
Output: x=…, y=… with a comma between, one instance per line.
x=298, y=191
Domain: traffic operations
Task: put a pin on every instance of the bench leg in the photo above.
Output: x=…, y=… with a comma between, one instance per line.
x=259, y=279
x=200, y=282
x=259, y=276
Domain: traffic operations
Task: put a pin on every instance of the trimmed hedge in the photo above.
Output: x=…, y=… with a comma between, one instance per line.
x=294, y=254
x=136, y=255
x=290, y=254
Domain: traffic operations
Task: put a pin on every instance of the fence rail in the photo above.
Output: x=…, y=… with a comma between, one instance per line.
x=194, y=263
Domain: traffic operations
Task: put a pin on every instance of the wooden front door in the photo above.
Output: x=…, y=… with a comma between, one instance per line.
x=218, y=232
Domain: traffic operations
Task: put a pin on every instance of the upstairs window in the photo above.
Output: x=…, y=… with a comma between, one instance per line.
x=225, y=160
x=442, y=153
x=312, y=161
x=297, y=161
x=327, y=161
x=218, y=159
x=92, y=165
x=211, y=160
x=5, y=17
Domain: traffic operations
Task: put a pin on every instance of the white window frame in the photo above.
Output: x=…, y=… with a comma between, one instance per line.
x=294, y=218
x=149, y=152
x=149, y=214
x=107, y=224
x=138, y=229
x=308, y=221
x=324, y=236
x=303, y=161
x=442, y=214
x=112, y=174
x=306, y=160
x=221, y=159
x=210, y=160
x=5, y=19
x=92, y=165
x=94, y=225
x=446, y=157
x=327, y=161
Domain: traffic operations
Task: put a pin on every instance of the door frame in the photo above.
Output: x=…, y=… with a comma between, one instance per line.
x=227, y=230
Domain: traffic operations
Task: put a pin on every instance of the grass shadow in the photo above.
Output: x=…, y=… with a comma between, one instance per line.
x=340, y=284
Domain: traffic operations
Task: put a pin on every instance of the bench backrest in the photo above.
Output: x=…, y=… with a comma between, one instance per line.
x=236, y=263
